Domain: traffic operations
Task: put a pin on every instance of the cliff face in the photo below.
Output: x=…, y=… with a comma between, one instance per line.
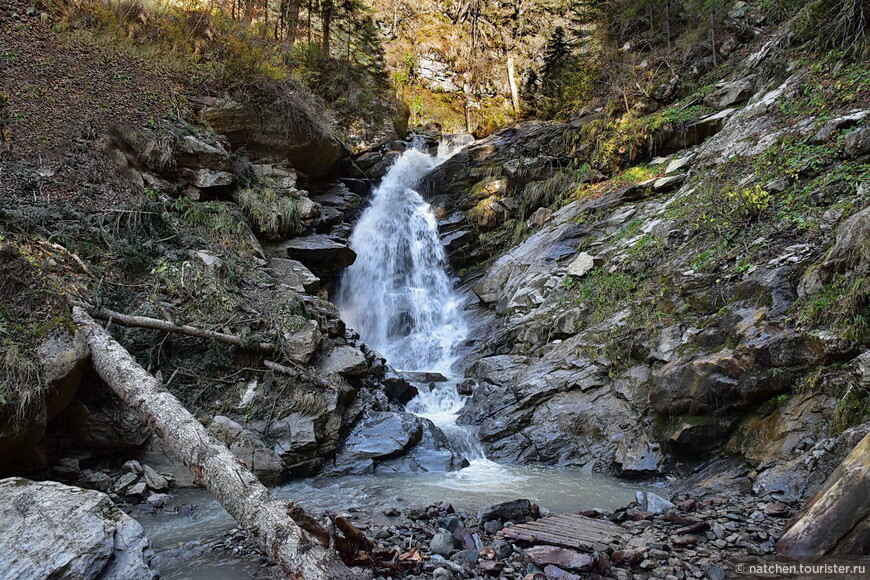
x=711, y=299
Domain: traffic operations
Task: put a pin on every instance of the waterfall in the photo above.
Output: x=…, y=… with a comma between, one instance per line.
x=397, y=294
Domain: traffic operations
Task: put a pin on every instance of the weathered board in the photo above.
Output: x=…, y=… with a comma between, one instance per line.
x=567, y=530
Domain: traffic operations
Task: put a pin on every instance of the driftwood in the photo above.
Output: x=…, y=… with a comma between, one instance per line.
x=837, y=518
x=213, y=465
x=157, y=324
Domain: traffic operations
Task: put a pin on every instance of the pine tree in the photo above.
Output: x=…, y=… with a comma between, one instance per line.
x=554, y=54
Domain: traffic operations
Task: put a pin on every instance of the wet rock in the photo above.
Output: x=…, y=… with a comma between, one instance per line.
x=517, y=511
x=345, y=361
x=443, y=543
x=500, y=369
x=465, y=387
x=465, y=557
x=52, y=530
x=423, y=376
x=560, y=557
x=250, y=449
x=158, y=500
x=397, y=387
x=395, y=442
x=154, y=480
x=502, y=549
x=651, y=502
x=432, y=453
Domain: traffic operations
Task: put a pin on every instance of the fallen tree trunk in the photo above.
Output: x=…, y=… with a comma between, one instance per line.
x=213, y=465
x=837, y=518
x=157, y=324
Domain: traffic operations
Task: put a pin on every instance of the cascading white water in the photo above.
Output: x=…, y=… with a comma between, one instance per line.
x=397, y=294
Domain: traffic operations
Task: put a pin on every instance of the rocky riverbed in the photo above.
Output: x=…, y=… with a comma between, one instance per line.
x=697, y=537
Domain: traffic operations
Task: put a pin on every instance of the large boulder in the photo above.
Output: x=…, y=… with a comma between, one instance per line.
x=344, y=360
x=295, y=275
x=395, y=443
x=52, y=530
x=244, y=444
x=320, y=254
x=294, y=133
x=302, y=438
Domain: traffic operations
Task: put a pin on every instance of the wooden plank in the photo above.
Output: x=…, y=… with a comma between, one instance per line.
x=571, y=532
x=567, y=530
x=566, y=533
x=590, y=522
x=548, y=539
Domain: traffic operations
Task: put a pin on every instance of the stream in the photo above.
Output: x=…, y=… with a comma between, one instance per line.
x=401, y=299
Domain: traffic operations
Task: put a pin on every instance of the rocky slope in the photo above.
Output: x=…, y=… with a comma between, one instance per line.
x=712, y=299
x=218, y=212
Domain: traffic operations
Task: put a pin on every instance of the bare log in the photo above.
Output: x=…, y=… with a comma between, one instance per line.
x=157, y=324
x=213, y=465
x=837, y=518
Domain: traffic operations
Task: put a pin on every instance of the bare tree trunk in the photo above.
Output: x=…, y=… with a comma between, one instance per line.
x=326, y=7
x=293, y=21
x=213, y=466
x=512, y=80
x=837, y=519
x=157, y=324
x=310, y=10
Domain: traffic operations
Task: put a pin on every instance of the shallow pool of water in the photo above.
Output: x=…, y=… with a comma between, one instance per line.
x=483, y=482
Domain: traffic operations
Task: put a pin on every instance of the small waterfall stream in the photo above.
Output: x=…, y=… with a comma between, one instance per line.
x=399, y=297
x=397, y=294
